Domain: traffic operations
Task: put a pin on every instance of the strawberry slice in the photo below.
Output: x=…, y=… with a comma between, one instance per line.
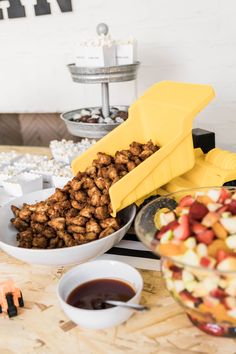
x=186, y=296
x=232, y=207
x=182, y=231
x=171, y=226
x=175, y=268
x=186, y=201
x=198, y=228
x=206, y=237
x=177, y=272
x=224, y=194
x=177, y=275
x=197, y=211
x=205, y=262
x=212, y=329
x=222, y=209
x=218, y=293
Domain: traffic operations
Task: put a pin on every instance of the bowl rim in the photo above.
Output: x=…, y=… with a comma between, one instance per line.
x=156, y=243
x=93, y=264
x=57, y=250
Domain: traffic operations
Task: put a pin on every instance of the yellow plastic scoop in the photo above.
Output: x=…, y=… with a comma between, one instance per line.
x=163, y=114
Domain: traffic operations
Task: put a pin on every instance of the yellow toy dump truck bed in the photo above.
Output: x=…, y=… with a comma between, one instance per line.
x=212, y=169
x=163, y=114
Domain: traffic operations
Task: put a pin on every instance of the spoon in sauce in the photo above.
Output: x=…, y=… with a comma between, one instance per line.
x=131, y=306
x=105, y=293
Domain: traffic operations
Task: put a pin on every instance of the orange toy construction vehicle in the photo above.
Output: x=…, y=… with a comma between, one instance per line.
x=10, y=298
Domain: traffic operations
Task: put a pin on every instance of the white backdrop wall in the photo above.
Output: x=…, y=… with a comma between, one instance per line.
x=183, y=40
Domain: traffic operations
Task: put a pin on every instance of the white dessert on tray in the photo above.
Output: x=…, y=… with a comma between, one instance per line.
x=103, y=51
x=30, y=160
x=9, y=171
x=126, y=51
x=8, y=157
x=97, y=52
x=23, y=183
x=66, y=150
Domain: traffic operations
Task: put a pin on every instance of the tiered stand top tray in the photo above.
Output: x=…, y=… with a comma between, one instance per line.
x=108, y=74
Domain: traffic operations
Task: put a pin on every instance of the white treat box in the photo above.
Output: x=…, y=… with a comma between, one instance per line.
x=60, y=182
x=7, y=172
x=46, y=178
x=66, y=159
x=126, y=53
x=96, y=56
x=60, y=157
x=22, y=184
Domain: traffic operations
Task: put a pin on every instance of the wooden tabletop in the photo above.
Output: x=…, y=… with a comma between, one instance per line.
x=26, y=149
x=42, y=328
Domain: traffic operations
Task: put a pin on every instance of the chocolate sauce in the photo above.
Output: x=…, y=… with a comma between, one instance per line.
x=92, y=294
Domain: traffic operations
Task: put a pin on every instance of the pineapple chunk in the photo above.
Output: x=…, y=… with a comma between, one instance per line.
x=213, y=206
x=202, y=250
x=228, y=264
x=210, y=283
x=167, y=236
x=179, y=285
x=191, y=258
x=187, y=276
x=231, y=288
x=226, y=214
x=191, y=285
x=190, y=242
x=231, y=241
x=230, y=302
x=200, y=290
x=229, y=224
x=166, y=218
x=223, y=283
x=214, y=194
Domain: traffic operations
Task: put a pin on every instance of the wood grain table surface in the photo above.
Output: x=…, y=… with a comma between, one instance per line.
x=42, y=328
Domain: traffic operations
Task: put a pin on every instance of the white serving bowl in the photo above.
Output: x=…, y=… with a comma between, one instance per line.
x=59, y=256
x=99, y=319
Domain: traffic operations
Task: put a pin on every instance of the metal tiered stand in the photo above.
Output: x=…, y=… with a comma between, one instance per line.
x=98, y=75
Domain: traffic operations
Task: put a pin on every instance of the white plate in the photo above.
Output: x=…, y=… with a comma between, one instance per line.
x=60, y=256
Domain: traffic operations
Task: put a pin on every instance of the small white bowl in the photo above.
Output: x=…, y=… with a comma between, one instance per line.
x=99, y=319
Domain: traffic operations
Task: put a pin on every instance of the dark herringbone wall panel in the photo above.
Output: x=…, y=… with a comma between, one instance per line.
x=10, y=130
x=32, y=129
x=40, y=129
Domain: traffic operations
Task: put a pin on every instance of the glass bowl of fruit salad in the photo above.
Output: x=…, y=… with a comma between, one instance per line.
x=194, y=232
